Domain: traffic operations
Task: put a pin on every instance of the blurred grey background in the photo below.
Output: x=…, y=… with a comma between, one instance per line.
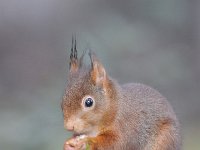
x=155, y=42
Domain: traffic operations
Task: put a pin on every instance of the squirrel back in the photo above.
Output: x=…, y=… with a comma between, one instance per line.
x=112, y=116
x=147, y=114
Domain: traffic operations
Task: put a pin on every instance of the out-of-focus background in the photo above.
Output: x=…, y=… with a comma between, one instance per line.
x=155, y=42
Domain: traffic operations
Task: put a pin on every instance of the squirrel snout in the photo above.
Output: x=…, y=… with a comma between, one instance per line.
x=69, y=126
x=74, y=124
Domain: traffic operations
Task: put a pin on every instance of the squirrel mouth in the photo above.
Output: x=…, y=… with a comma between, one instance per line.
x=79, y=136
x=75, y=134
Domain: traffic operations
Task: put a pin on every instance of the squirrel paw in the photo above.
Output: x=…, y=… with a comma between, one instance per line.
x=76, y=143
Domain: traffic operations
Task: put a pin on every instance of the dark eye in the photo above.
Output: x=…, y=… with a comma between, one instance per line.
x=88, y=102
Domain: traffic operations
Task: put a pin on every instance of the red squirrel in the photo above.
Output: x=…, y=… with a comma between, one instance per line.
x=104, y=115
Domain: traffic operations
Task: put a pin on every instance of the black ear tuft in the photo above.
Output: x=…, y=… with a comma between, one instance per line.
x=97, y=73
x=72, y=50
x=75, y=50
x=73, y=65
x=81, y=58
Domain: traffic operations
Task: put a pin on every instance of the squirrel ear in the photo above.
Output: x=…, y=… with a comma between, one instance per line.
x=98, y=73
x=73, y=65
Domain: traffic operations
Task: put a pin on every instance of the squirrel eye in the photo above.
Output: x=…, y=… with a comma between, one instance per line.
x=88, y=102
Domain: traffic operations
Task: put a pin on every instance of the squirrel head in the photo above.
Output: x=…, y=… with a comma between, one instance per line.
x=88, y=104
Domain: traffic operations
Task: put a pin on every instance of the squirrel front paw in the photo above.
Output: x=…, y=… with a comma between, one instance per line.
x=76, y=143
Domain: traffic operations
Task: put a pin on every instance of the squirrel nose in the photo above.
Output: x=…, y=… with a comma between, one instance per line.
x=69, y=126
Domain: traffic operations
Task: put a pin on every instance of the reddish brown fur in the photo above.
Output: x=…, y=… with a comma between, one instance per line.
x=165, y=140
x=103, y=141
x=128, y=117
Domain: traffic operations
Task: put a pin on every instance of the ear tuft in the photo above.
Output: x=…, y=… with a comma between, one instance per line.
x=81, y=58
x=73, y=65
x=98, y=73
